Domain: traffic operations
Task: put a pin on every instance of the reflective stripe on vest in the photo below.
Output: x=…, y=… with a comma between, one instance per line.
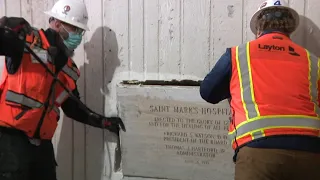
x=70, y=72
x=66, y=69
x=22, y=99
x=61, y=97
x=256, y=124
x=26, y=101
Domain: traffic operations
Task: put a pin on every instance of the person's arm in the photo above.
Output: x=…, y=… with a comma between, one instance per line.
x=216, y=85
x=74, y=110
x=13, y=31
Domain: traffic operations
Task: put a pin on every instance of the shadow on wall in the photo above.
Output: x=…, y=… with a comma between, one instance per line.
x=308, y=35
x=107, y=64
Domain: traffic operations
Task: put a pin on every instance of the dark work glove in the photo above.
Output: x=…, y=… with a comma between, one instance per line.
x=113, y=124
x=13, y=31
x=16, y=24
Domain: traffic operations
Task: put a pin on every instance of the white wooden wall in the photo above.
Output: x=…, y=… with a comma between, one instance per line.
x=146, y=39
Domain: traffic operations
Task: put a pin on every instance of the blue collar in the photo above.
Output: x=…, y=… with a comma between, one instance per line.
x=273, y=31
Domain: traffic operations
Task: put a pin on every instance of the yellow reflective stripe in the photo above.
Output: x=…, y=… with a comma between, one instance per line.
x=313, y=81
x=245, y=78
x=267, y=122
x=257, y=134
x=22, y=99
x=318, y=70
x=240, y=81
x=70, y=72
x=251, y=82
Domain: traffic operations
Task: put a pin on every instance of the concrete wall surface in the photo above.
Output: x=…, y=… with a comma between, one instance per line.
x=145, y=40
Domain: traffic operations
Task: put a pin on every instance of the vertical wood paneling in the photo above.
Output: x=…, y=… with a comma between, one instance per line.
x=116, y=18
x=169, y=39
x=3, y=9
x=312, y=22
x=136, y=41
x=227, y=26
x=249, y=8
x=2, y=13
x=94, y=83
x=116, y=67
x=195, y=43
x=299, y=35
x=39, y=19
x=13, y=7
x=26, y=10
x=151, y=38
x=78, y=129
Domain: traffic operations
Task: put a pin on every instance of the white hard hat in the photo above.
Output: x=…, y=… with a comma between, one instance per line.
x=271, y=4
x=70, y=11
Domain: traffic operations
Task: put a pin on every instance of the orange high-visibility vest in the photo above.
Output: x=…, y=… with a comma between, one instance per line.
x=274, y=90
x=24, y=94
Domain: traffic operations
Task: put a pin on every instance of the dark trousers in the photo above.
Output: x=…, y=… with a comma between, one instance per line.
x=21, y=160
x=276, y=164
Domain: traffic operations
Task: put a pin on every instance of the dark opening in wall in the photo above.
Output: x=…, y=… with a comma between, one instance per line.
x=163, y=83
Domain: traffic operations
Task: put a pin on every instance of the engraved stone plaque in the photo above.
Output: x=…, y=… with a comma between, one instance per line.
x=173, y=134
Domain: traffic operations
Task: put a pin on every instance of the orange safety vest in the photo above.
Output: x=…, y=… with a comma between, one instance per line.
x=274, y=90
x=25, y=94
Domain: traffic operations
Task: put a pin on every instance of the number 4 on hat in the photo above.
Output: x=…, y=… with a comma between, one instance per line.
x=277, y=3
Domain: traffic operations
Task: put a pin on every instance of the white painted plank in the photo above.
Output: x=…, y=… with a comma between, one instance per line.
x=196, y=41
x=311, y=26
x=136, y=41
x=2, y=13
x=117, y=39
x=26, y=11
x=93, y=85
x=226, y=26
x=79, y=135
x=39, y=19
x=211, y=56
x=249, y=8
x=299, y=35
x=169, y=40
x=63, y=147
x=13, y=8
x=3, y=9
x=115, y=17
x=79, y=129
x=151, y=33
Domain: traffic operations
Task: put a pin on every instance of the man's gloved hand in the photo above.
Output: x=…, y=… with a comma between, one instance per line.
x=113, y=124
x=16, y=24
x=13, y=31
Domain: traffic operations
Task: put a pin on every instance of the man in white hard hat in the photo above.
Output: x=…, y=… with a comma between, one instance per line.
x=30, y=96
x=273, y=84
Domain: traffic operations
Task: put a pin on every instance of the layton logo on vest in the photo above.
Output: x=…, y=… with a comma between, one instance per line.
x=271, y=47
